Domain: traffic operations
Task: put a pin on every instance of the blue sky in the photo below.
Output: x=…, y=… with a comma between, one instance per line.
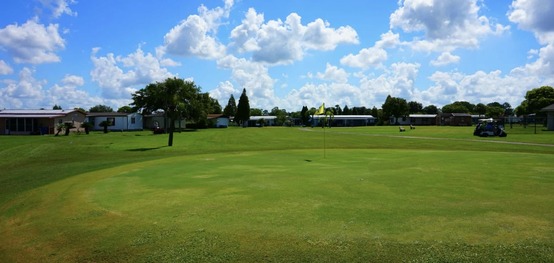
x=286, y=53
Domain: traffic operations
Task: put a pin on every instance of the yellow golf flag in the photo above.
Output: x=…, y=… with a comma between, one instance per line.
x=321, y=110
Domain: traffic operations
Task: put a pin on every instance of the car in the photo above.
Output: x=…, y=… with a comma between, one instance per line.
x=489, y=127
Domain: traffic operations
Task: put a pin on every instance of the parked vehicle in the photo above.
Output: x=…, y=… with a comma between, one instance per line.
x=489, y=127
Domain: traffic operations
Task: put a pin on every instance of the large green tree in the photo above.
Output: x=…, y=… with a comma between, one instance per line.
x=395, y=107
x=430, y=109
x=415, y=107
x=176, y=97
x=458, y=107
x=126, y=109
x=305, y=115
x=243, y=109
x=536, y=99
x=281, y=115
x=101, y=108
x=231, y=108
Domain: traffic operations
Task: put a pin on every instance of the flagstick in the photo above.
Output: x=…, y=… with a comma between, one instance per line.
x=324, y=151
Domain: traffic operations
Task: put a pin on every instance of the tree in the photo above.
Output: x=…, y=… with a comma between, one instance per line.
x=256, y=112
x=430, y=109
x=458, y=107
x=337, y=110
x=243, y=108
x=176, y=97
x=394, y=107
x=101, y=108
x=538, y=98
x=305, y=115
x=495, y=112
x=480, y=109
x=57, y=107
x=105, y=125
x=346, y=110
x=281, y=115
x=126, y=109
x=231, y=108
x=415, y=107
x=201, y=107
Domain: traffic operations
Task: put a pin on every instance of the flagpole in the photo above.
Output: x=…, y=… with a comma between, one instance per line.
x=324, y=144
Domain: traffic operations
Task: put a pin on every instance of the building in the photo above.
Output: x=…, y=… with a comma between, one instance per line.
x=345, y=120
x=157, y=120
x=26, y=122
x=256, y=121
x=549, y=117
x=119, y=121
x=218, y=120
x=454, y=119
x=423, y=119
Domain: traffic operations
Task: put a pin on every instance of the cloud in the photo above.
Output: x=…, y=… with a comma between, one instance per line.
x=196, y=35
x=397, y=80
x=479, y=87
x=254, y=77
x=68, y=95
x=278, y=42
x=32, y=42
x=366, y=58
x=534, y=15
x=223, y=92
x=73, y=81
x=333, y=73
x=5, y=69
x=444, y=59
x=27, y=92
x=24, y=92
x=116, y=83
x=447, y=25
x=59, y=7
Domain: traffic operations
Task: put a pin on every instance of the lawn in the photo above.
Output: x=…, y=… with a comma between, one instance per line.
x=279, y=194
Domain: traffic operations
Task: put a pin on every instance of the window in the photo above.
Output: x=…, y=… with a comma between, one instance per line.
x=133, y=120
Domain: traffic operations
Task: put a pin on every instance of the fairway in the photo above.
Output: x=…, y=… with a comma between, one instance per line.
x=368, y=196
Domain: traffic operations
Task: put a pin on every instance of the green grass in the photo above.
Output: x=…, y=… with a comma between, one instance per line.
x=433, y=194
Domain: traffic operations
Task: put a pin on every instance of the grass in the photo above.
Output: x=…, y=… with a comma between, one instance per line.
x=274, y=194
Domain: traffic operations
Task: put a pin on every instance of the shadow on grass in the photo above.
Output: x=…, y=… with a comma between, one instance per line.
x=145, y=149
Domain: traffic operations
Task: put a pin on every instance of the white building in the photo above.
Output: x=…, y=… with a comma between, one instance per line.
x=119, y=121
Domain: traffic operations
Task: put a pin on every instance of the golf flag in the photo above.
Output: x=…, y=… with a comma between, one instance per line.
x=321, y=110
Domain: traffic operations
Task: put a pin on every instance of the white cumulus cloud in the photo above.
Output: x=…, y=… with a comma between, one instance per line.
x=444, y=59
x=119, y=77
x=32, y=42
x=5, y=69
x=366, y=58
x=283, y=42
x=196, y=35
x=59, y=7
x=447, y=25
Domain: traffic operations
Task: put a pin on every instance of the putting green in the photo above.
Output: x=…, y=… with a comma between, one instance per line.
x=270, y=202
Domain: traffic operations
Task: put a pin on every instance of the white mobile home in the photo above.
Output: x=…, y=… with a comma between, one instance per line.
x=119, y=121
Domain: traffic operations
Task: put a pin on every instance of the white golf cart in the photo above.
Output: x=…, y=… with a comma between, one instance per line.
x=489, y=127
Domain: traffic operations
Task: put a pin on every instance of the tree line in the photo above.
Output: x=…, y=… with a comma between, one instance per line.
x=178, y=99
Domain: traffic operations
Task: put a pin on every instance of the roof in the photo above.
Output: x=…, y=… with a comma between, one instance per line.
x=215, y=116
x=347, y=117
x=461, y=115
x=423, y=115
x=548, y=108
x=107, y=114
x=35, y=113
x=255, y=118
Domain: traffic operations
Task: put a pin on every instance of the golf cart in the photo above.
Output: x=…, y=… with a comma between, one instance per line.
x=489, y=127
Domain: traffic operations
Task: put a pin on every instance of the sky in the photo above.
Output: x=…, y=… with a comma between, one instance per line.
x=286, y=54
